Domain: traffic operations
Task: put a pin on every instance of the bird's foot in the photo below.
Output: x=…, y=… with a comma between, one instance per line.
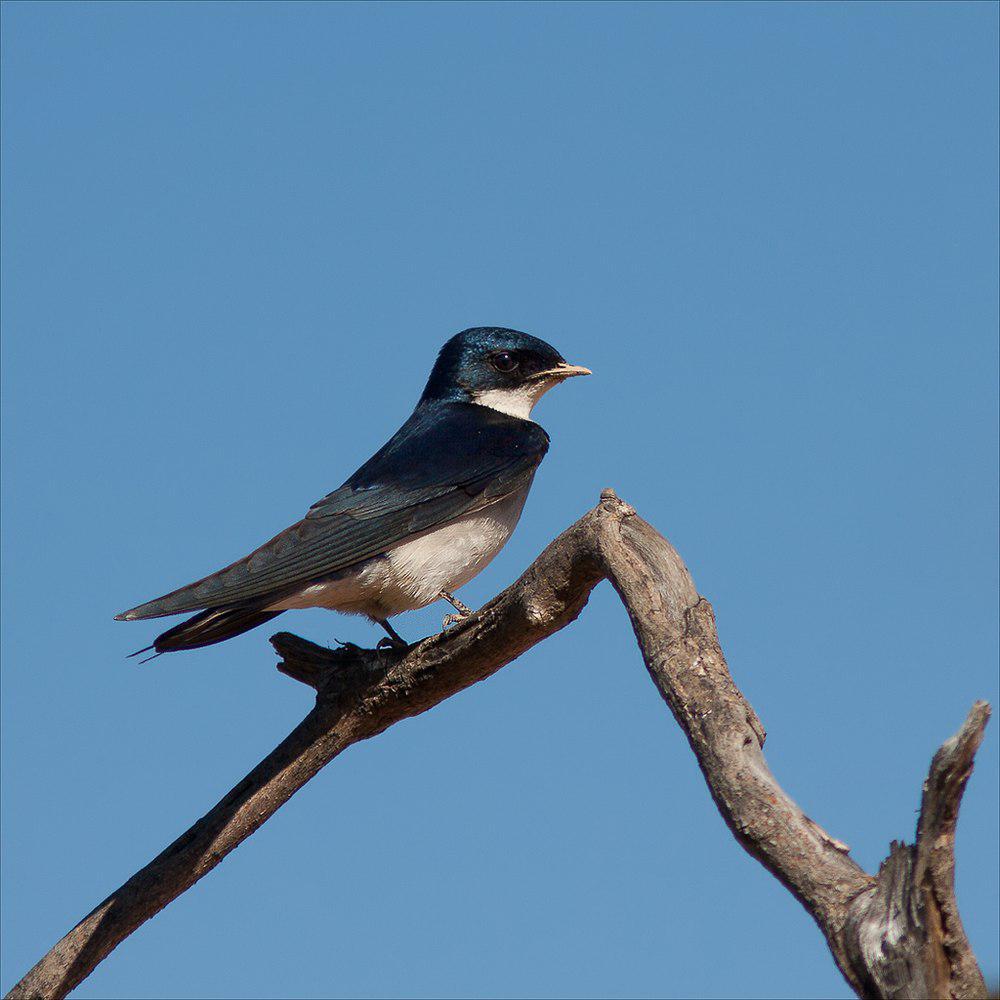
x=386, y=643
x=392, y=640
x=463, y=611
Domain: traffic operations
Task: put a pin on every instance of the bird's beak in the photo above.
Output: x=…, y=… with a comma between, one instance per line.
x=564, y=370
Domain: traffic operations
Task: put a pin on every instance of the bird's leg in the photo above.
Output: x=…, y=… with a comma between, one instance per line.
x=455, y=603
x=394, y=639
x=463, y=611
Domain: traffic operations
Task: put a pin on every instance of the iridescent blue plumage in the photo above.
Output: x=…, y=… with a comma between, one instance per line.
x=463, y=458
x=459, y=372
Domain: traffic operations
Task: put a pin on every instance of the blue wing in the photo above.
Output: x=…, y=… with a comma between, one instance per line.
x=447, y=460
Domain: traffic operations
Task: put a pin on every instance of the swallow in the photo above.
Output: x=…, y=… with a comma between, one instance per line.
x=426, y=513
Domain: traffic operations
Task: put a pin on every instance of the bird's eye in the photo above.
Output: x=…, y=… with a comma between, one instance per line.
x=504, y=361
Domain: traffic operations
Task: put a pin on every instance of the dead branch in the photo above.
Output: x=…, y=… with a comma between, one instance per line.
x=896, y=935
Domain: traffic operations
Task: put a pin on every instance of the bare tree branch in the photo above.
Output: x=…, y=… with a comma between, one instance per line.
x=906, y=939
x=895, y=935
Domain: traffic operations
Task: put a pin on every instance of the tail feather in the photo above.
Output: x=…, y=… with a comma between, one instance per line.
x=209, y=627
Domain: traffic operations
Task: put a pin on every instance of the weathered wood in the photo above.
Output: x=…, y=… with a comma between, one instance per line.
x=895, y=935
x=905, y=939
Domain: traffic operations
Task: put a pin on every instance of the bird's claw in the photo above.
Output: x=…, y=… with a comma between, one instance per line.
x=386, y=643
x=449, y=620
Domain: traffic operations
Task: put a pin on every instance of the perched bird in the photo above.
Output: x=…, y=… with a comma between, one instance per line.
x=419, y=519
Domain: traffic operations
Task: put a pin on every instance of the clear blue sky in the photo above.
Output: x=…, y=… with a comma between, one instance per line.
x=234, y=238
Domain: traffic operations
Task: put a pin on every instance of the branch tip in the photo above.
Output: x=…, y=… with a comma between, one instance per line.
x=318, y=666
x=611, y=501
x=948, y=775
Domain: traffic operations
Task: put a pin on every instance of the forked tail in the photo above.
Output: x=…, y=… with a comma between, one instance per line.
x=207, y=628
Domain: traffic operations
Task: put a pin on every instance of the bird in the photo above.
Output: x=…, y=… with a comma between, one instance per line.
x=423, y=516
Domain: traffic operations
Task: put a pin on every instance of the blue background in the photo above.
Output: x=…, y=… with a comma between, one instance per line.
x=236, y=235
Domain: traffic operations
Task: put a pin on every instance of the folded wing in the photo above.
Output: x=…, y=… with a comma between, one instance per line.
x=443, y=463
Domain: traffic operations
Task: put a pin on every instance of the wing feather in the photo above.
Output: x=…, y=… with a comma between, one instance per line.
x=438, y=467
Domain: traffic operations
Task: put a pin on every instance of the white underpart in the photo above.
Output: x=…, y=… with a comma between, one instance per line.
x=515, y=402
x=412, y=574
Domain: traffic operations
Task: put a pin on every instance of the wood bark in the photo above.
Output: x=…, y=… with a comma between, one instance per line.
x=895, y=935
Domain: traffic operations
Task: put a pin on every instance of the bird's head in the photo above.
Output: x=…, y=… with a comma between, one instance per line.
x=503, y=369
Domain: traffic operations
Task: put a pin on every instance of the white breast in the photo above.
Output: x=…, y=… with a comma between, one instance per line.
x=448, y=557
x=412, y=574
